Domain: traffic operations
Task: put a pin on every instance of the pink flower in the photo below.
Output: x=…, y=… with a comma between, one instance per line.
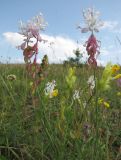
x=92, y=48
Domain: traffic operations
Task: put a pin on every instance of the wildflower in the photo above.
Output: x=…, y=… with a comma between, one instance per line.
x=32, y=27
x=31, y=30
x=71, y=78
x=91, y=82
x=93, y=23
x=92, y=47
x=106, y=104
x=104, y=83
x=11, y=77
x=117, y=76
x=76, y=95
x=115, y=68
x=101, y=101
x=55, y=93
x=49, y=89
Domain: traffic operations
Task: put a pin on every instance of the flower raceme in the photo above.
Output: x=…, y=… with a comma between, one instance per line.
x=30, y=32
x=109, y=73
x=93, y=23
x=71, y=78
x=92, y=48
x=104, y=83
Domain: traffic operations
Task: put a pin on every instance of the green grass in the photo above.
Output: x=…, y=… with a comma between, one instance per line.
x=57, y=128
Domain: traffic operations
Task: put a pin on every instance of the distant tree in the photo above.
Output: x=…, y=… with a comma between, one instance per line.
x=74, y=61
x=78, y=55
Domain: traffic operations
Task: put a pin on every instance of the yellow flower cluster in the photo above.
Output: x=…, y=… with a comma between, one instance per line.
x=104, y=103
x=117, y=76
x=55, y=93
x=115, y=68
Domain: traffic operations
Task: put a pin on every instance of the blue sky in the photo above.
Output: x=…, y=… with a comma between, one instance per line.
x=62, y=17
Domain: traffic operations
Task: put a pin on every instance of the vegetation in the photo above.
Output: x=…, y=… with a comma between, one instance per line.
x=61, y=127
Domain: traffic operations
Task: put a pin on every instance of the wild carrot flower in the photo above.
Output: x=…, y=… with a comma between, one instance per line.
x=11, y=77
x=49, y=89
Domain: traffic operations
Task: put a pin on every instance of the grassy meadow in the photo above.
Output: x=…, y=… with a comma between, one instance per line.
x=60, y=127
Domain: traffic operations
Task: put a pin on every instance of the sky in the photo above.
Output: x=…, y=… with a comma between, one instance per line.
x=62, y=17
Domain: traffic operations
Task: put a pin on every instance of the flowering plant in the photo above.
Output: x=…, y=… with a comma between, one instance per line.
x=93, y=23
x=30, y=31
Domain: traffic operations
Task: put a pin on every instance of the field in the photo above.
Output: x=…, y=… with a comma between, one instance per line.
x=60, y=127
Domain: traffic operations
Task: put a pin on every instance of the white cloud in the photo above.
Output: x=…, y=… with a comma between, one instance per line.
x=59, y=50
x=14, y=39
x=113, y=26
x=110, y=25
x=104, y=52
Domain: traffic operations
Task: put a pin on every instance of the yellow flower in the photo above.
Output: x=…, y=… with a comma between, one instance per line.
x=100, y=101
x=117, y=76
x=55, y=93
x=106, y=104
x=103, y=103
x=115, y=68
